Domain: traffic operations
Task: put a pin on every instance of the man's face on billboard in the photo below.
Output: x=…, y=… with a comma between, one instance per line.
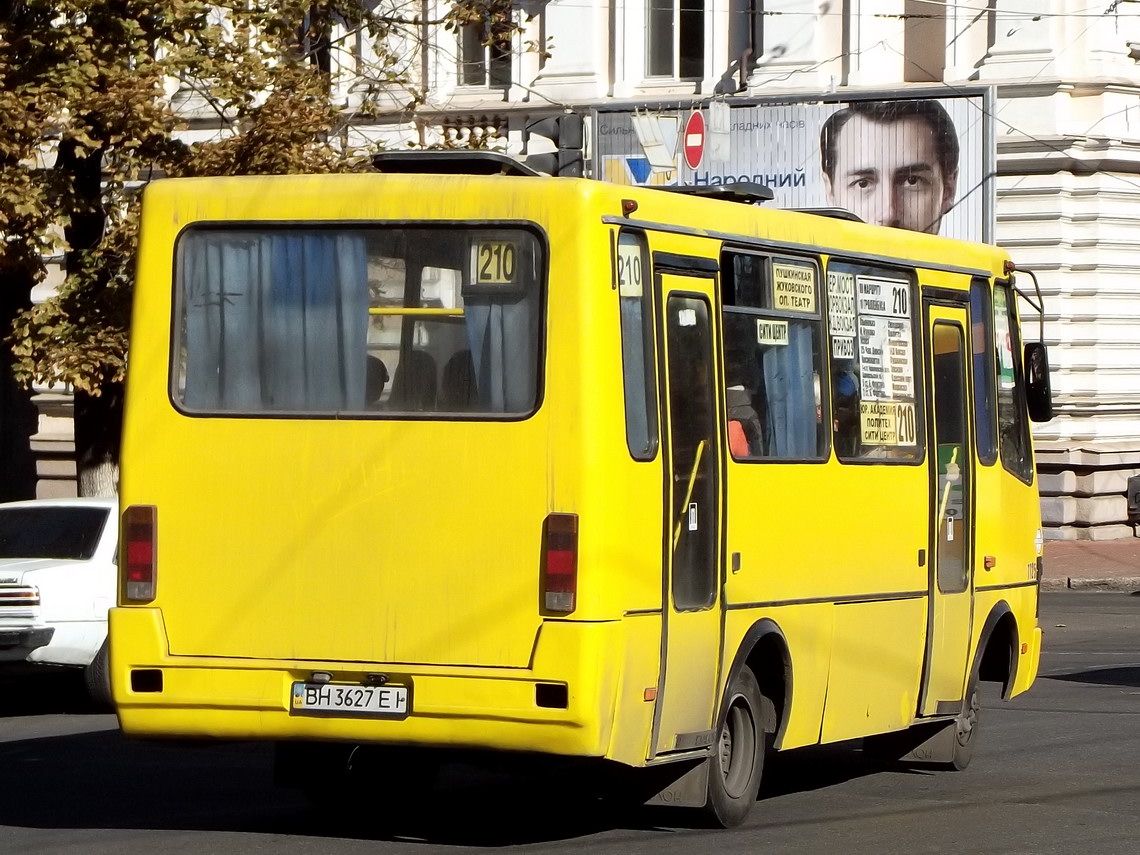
x=888, y=173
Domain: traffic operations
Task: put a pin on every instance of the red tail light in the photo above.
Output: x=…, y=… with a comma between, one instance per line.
x=140, y=531
x=560, y=563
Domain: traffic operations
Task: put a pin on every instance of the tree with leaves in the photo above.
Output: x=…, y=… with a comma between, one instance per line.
x=90, y=95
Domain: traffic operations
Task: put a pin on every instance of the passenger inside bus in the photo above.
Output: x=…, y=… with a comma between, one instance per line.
x=846, y=415
x=376, y=378
x=415, y=384
x=457, y=387
x=745, y=432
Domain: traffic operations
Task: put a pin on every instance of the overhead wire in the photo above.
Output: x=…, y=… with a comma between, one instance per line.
x=452, y=55
x=998, y=119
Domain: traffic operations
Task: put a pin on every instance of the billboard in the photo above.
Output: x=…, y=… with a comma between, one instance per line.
x=923, y=164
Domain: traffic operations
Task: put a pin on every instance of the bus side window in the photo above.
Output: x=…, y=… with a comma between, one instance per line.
x=1013, y=421
x=982, y=347
x=876, y=411
x=773, y=343
x=637, y=346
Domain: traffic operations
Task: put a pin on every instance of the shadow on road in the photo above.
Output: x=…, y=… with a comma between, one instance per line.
x=49, y=692
x=821, y=766
x=103, y=780
x=1128, y=675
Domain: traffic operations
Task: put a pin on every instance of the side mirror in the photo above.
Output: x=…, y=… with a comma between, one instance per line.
x=1038, y=392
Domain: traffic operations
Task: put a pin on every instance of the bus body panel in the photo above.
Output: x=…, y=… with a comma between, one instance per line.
x=807, y=630
x=461, y=708
x=340, y=539
x=801, y=546
x=267, y=570
x=876, y=668
x=633, y=713
x=413, y=546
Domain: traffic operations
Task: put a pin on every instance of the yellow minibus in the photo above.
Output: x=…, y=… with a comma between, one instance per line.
x=418, y=464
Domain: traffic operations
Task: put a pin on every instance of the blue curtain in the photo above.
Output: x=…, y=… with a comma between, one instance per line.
x=495, y=329
x=789, y=384
x=633, y=369
x=275, y=322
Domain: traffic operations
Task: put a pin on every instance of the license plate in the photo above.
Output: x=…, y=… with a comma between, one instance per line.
x=338, y=699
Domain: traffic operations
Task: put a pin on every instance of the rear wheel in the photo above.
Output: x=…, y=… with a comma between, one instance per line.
x=966, y=731
x=97, y=678
x=737, y=760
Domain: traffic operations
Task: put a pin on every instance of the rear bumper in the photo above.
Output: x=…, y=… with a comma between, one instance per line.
x=16, y=645
x=481, y=708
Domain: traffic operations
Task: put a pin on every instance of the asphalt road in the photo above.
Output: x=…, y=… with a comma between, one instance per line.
x=1056, y=771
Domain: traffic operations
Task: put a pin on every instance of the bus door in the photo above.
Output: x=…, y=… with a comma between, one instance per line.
x=951, y=511
x=691, y=618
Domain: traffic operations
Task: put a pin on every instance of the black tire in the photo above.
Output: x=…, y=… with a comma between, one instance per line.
x=966, y=730
x=737, y=760
x=97, y=679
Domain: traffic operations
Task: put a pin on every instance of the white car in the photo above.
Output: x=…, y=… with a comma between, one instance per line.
x=57, y=581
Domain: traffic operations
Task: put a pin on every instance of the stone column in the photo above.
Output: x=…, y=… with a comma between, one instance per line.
x=790, y=56
x=967, y=38
x=576, y=70
x=877, y=43
x=1026, y=43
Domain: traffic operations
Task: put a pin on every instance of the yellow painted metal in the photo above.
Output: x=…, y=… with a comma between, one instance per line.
x=413, y=546
x=241, y=699
x=876, y=664
x=808, y=631
x=687, y=694
x=951, y=485
x=633, y=715
x=416, y=312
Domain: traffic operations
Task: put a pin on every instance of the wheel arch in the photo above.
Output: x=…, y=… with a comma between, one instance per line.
x=996, y=658
x=765, y=651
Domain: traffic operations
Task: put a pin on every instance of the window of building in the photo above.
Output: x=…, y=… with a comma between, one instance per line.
x=675, y=34
x=637, y=346
x=1013, y=420
x=773, y=362
x=484, y=57
x=874, y=385
x=315, y=40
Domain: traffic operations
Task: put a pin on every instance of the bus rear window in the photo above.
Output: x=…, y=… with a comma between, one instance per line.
x=400, y=321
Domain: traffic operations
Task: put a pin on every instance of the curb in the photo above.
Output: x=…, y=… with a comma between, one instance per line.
x=1125, y=584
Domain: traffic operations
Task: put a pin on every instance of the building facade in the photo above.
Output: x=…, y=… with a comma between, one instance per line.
x=1053, y=96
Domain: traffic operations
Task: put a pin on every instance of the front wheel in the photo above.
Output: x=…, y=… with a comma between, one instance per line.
x=737, y=760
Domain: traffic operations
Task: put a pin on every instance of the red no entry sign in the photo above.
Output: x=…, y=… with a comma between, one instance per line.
x=694, y=139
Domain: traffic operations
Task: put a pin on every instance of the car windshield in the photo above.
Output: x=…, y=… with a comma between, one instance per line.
x=51, y=532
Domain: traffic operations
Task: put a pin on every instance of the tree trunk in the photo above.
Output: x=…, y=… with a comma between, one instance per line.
x=98, y=429
x=19, y=418
x=98, y=418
